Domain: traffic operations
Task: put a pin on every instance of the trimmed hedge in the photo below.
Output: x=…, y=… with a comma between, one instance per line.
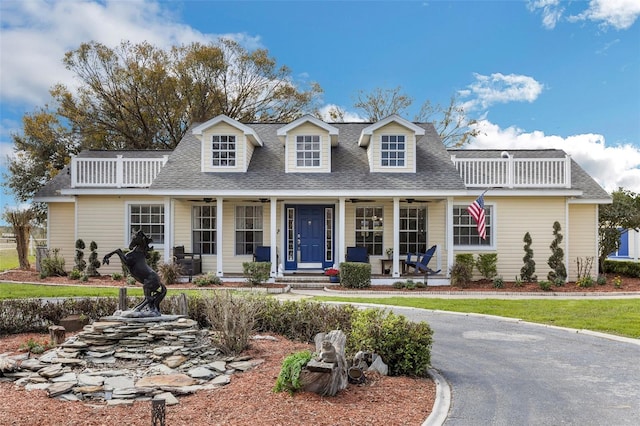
x=355, y=275
x=624, y=268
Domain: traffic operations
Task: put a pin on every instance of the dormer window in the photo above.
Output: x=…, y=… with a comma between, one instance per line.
x=392, y=151
x=308, y=151
x=223, y=150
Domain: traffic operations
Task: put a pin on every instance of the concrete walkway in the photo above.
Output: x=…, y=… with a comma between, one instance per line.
x=500, y=371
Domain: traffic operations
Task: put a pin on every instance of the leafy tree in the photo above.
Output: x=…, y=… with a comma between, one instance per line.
x=20, y=221
x=527, y=272
x=451, y=122
x=556, y=260
x=622, y=213
x=138, y=96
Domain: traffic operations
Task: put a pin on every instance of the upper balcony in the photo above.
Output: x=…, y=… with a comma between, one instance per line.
x=509, y=172
x=118, y=172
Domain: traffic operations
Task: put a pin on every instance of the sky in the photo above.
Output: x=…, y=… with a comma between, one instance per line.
x=535, y=74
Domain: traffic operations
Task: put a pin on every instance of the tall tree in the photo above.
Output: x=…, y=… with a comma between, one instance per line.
x=623, y=213
x=451, y=122
x=21, y=221
x=138, y=96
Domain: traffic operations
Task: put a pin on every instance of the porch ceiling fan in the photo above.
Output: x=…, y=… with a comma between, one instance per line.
x=205, y=200
x=360, y=200
x=415, y=200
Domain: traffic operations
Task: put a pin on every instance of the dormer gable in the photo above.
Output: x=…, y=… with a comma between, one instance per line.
x=391, y=145
x=226, y=144
x=308, y=141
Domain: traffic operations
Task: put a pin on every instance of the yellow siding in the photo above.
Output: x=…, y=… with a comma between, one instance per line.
x=61, y=220
x=309, y=129
x=375, y=148
x=223, y=128
x=514, y=217
x=436, y=227
x=582, y=238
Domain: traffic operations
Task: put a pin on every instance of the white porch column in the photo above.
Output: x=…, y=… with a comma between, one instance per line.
x=273, y=223
x=396, y=237
x=219, y=238
x=341, y=230
x=448, y=235
x=169, y=225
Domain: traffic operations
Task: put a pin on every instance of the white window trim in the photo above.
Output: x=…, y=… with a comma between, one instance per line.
x=214, y=229
x=404, y=159
x=298, y=151
x=494, y=236
x=235, y=228
x=127, y=213
x=235, y=151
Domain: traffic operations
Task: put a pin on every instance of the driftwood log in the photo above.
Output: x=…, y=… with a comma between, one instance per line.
x=57, y=334
x=326, y=374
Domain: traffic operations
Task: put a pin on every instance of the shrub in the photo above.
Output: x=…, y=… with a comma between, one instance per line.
x=116, y=276
x=410, y=285
x=585, y=282
x=52, y=266
x=545, y=285
x=35, y=346
x=75, y=274
x=602, y=280
x=624, y=268
x=256, y=273
x=207, y=280
x=487, y=264
x=289, y=377
x=94, y=263
x=617, y=282
x=404, y=346
x=559, y=282
x=498, y=282
x=169, y=272
x=556, y=260
x=398, y=284
x=79, y=257
x=518, y=282
x=527, y=272
x=420, y=284
x=460, y=274
x=131, y=281
x=84, y=278
x=233, y=318
x=355, y=275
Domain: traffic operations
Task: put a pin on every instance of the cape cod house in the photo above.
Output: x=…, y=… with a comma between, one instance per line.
x=308, y=190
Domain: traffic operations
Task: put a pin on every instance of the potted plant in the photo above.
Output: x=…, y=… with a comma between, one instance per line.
x=390, y=252
x=333, y=274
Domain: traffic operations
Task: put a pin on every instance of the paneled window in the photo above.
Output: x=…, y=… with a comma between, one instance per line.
x=149, y=218
x=413, y=230
x=204, y=229
x=392, y=151
x=223, y=150
x=465, y=232
x=248, y=229
x=369, y=229
x=308, y=151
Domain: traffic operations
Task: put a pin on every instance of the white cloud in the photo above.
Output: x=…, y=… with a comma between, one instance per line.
x=611, y=166
x=36, y=34
x=349, y=116
x=619, y=14
x=500, y=88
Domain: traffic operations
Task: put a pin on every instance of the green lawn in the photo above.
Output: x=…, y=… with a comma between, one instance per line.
x=9, y=259
x=619, y=316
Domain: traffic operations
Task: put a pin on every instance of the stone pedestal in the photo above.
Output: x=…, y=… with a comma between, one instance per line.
x=326, y=374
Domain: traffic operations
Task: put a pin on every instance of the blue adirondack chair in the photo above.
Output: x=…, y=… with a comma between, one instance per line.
x=357, y=254
x=262, y=254
x=421, y=263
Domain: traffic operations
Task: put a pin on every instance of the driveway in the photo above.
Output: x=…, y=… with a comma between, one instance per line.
x=507, y=372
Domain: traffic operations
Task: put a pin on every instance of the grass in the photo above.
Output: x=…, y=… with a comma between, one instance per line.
x=9, y=259
x=619, y=316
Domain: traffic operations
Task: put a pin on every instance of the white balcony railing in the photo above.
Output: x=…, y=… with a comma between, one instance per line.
x=116, y=172
x=514, y=172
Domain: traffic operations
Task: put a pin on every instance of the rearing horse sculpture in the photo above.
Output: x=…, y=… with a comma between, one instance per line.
x=154, y=290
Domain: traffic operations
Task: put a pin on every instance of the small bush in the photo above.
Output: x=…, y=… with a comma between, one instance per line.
x=131, y=281
x=256, y=273
x=52, y=266
x=498, y=282
x=461, y=274
x=559, y=281
x=169, y=272
x=233, y=318
x=207, y=280
x=617, y=282
x=602, y=280
x=289, y=377
x=84, y=278
x=405, y=346
x=75, y=274
x=35, y=346
x=585, y=282
x=355, y=275
x=518, y=282
x=116, y=276
x=544, y=285
x=487, y=264
x=420, y=284
x=410, y=285
x=398, y=284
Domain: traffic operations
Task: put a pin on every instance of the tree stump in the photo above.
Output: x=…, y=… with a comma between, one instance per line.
x=326, y=374
x=57, y=334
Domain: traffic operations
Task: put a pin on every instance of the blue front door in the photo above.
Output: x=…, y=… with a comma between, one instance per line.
x=311, y=237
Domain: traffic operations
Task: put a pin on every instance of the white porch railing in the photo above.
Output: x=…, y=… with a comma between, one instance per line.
x=514, y=172
x=116, y=172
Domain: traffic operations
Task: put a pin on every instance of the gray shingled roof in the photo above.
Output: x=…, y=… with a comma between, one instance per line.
x=350, y=168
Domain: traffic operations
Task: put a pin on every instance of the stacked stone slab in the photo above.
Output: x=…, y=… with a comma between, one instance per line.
x=120, y=360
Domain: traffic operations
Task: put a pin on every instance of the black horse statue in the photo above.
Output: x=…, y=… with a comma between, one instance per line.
x=134, y=260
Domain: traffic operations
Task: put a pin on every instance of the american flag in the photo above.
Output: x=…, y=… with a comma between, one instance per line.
x=476, y=210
